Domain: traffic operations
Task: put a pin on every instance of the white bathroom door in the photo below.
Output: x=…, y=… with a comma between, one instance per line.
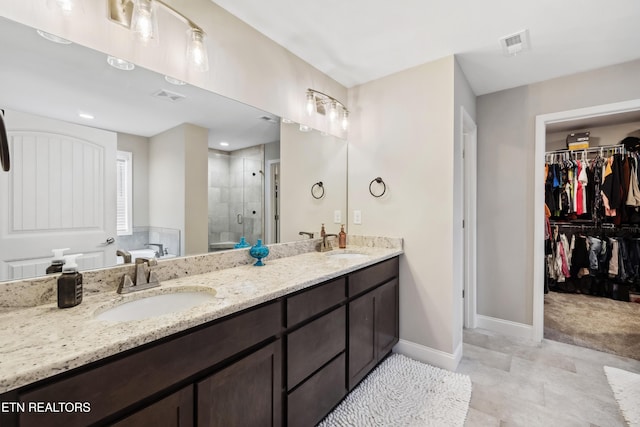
x=59, y=193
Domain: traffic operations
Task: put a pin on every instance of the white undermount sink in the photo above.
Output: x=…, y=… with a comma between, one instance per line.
x=345, y=255
x=156, y=305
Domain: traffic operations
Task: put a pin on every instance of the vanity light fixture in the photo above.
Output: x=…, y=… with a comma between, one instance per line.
x=120, y=64
x=52, y=37
x=321, y=103
x=140, y=17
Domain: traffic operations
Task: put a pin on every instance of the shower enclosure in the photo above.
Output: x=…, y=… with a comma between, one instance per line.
x=236, y=197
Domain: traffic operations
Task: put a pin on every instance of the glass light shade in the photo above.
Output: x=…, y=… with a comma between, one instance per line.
x=333, y=111
x=197, y=55
x=311, y=103
x=66, y=6
x=143, y=21
x=345, y=120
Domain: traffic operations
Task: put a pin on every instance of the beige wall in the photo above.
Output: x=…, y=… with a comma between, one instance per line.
x=506, y=134
x=303, y=157
x=402, y=131
x=139, y=147
x=196, y=169
x=244, y=64
x=178, y=163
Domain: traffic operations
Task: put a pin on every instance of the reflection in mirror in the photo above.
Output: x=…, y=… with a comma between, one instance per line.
x=107, y=155
x=103, y=155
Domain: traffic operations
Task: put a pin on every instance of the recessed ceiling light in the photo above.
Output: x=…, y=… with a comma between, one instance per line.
x=120, y=64
x=53, y=38
x=287, y=121
x=86, y=116
x=224, y=144
x=174, y=81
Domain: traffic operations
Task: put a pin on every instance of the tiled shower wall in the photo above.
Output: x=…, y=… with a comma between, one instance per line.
x=235, y=187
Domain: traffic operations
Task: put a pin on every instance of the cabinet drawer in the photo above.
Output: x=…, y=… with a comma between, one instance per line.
x=313, y=400
x=370, y=277
x=315, y=344
x=120, y=383
x=309, y=303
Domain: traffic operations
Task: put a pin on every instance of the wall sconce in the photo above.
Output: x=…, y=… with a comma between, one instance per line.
x=321, y=103
x=140, y=17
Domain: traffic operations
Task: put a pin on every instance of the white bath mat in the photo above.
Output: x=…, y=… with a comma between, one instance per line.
x=626, y=389
x=404, y=392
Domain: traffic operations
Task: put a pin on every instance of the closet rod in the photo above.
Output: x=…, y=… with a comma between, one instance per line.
x=602, y=149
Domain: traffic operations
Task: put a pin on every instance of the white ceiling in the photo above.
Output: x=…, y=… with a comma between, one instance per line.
x=356, y=41
x=60, y=81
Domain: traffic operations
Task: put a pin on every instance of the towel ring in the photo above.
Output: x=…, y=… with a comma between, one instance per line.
x=314, y=191
x=379, y=181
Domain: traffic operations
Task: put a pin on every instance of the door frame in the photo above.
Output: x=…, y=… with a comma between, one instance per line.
x=542, y=121
x=469, y=139
x=271, y=235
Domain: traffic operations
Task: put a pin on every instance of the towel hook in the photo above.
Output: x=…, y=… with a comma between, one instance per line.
x=316, y=188
x=379, y=181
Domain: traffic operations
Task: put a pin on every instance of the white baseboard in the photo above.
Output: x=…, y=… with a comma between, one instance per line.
x=505, y=327
x=430, y=355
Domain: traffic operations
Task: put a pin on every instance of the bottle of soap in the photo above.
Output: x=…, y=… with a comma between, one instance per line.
x=70, y=283
x=322, y=232
x=57, y=262
x=342, y=238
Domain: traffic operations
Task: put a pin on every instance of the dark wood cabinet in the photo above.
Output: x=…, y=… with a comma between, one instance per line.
x=175, y=410
x=247, y=393
x=373, y=329
x=289, y=361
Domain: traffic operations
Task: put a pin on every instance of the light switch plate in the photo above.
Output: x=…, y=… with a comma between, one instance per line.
x=337, y=217
x=357, y=217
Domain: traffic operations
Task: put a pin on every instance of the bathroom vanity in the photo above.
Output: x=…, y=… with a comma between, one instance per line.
x=282, y=352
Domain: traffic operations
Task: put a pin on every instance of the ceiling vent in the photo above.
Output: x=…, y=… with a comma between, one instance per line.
x=268, y=119
x=169, y=96
x=513, y=44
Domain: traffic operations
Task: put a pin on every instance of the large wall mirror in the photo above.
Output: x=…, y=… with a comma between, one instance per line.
x=106, y=161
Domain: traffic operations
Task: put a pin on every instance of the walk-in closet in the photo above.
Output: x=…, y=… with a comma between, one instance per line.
x=592, y=233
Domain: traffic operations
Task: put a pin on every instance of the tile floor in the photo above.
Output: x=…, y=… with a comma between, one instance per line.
x=522, y=383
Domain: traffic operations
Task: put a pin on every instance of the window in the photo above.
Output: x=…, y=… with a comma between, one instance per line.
x=124, y=192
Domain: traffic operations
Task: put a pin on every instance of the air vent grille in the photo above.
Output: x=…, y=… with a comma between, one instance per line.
x=515, y=43
x=268, y=119
x=168, y=95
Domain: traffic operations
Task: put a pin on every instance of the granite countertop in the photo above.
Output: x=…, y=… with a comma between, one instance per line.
x=42, y=341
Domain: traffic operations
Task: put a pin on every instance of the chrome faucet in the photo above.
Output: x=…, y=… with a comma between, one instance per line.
x=160, y=250
x=145, y=277
x=303, y=233
x=323, y=246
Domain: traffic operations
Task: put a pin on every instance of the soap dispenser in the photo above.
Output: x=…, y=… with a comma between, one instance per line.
x=70, y=283
x=57, y=262
x=342, y=238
